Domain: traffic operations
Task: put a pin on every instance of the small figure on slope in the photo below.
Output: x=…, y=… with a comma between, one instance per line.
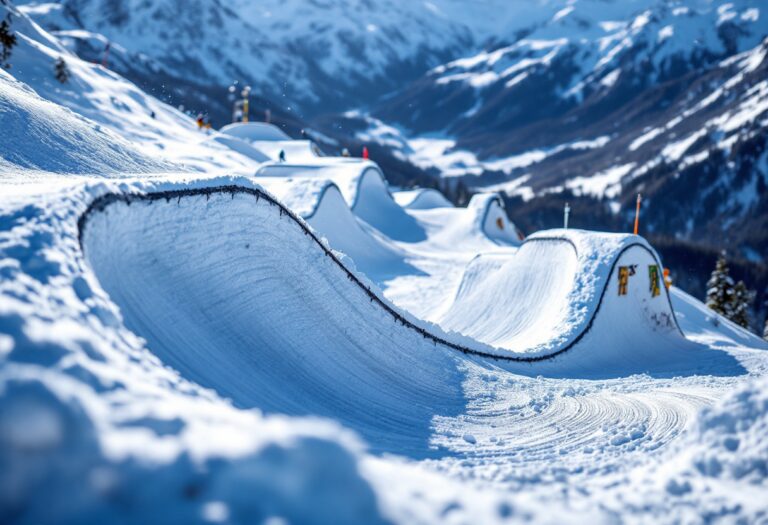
x=281, y=156
x=61, y=71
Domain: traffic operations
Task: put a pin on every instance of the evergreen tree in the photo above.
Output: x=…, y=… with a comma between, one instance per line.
x=765, y=329
x=741, y=302
x=463, y=195
x=61, y=70
x=720, y=289
x=7, y=41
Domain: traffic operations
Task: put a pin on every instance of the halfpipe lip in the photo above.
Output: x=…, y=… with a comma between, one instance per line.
x=100, y=203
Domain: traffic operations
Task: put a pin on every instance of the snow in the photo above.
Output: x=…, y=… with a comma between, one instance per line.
x=562, y=13
x=610, y=79
x=37, y=134
x=603, y=184
x=676, y=150
x=751, y=15
x=665, y=33
x=255, y=131
x=209, y=356
x=645, y=137
x=421, y=199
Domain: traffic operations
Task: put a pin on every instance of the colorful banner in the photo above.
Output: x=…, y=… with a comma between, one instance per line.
x=653, y=275
x=623, y=279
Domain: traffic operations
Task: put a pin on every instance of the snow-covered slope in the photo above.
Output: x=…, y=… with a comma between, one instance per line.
x=38, y=135
x=106, y=105
x=600, y=54
x=590, y=98
x=290, y=334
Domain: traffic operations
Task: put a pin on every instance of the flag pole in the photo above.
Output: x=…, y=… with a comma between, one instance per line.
x=637, y=213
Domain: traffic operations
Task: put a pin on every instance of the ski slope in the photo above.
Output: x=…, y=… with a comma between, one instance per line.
x=293, y=341
x=252, y=304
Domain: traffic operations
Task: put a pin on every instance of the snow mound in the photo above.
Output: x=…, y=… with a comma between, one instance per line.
x=365, y=189
x=422, y=199
x=255, y=131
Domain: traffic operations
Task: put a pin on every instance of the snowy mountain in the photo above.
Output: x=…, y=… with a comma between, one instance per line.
x=309, y=55
x=694, y=144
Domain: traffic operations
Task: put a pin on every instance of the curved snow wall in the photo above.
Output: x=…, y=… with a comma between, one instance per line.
x=201, y=206
x=232, y=290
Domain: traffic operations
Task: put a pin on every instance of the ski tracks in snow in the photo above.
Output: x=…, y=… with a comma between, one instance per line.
x=535, y=430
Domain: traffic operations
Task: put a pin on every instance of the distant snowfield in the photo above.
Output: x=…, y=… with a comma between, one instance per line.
x=183, y=339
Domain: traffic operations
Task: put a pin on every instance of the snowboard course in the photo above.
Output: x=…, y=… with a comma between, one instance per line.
x=196, y=330
x=235, y=291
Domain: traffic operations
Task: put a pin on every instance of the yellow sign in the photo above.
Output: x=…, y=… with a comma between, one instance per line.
x=623, y=279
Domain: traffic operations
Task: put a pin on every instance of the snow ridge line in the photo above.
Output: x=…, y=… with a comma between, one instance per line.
x=319, y=200
x=370, y=166
x=99, y=204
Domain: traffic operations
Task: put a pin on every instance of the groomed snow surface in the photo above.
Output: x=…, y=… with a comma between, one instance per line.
x=192, y=331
